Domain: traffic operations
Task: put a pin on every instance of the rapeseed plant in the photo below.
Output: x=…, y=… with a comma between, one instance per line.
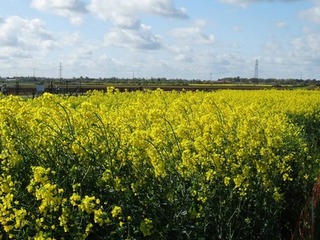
x=157, y=165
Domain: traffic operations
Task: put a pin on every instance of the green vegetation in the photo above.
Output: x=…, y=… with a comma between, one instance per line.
x=29, y=86
x=159, y=165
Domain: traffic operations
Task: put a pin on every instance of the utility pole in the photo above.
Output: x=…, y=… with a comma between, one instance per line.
x=256, y=70
x=60, y=71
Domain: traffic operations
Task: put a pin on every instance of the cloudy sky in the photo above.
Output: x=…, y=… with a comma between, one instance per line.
x=191, y=39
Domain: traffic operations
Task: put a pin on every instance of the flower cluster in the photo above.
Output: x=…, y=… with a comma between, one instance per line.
x=157, y=165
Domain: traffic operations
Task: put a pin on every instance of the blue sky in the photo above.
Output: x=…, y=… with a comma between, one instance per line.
x=160, y=38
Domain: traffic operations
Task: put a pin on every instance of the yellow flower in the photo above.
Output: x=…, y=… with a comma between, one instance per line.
x=146, y=227
x=88, y=204
x=74, y=199
x=227, y=181
x=116, y=211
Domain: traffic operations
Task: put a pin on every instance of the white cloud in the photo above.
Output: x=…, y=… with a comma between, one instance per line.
x=110, y=9
x=139, y=37
x=182, y=53
x=242, y=3
x=310, y=45
x=129, y=31
x=290, y=59
x=126, y=22
x=193, y=34
x=72, y=9
x=245, y=3
x=26, y=35
x=274, y=54
x=281, y=25
x=22, y=39
x=273, y=47
x=311, y=14
x=190, y=45
x=237, y=29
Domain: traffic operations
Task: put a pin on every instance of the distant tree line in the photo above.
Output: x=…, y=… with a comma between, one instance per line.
x=273, y=81
x=164, y=81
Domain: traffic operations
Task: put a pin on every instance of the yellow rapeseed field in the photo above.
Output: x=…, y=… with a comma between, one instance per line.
x=157, y=165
